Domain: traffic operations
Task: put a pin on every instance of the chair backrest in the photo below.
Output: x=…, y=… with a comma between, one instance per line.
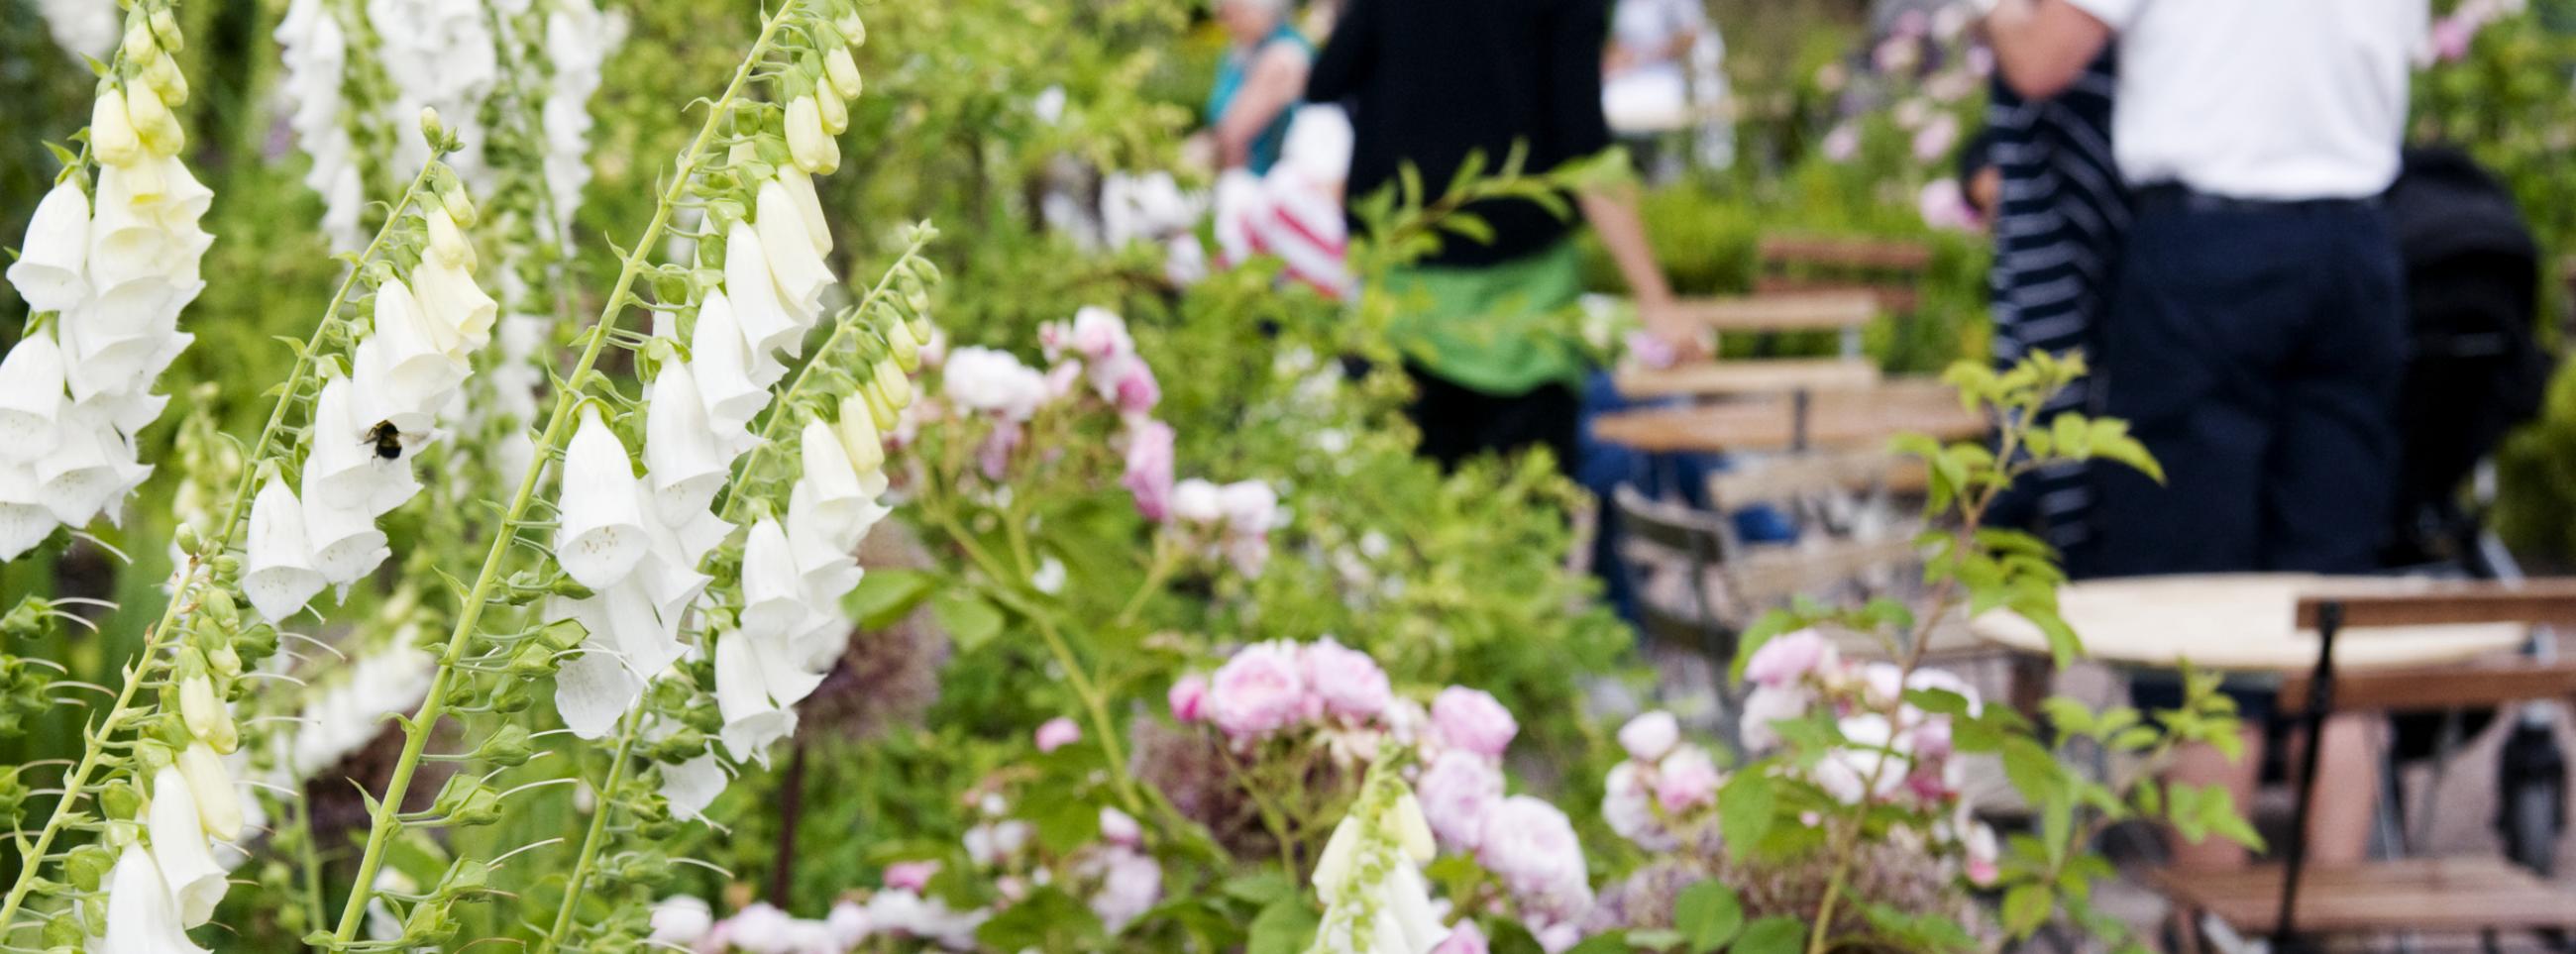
x=1687, y=541
x=1850, y=534
x=1889, y=270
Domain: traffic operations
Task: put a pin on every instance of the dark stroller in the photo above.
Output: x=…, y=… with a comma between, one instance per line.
x=2477, y=371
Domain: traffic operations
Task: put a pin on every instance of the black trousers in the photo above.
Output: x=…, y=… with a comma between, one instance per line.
x=2257, y=352
x=1458, y=422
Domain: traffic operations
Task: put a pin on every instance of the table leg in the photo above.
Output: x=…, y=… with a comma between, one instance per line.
x=2320, y=700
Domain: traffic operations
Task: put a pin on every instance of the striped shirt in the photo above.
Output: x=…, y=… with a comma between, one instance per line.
x=2058, y=221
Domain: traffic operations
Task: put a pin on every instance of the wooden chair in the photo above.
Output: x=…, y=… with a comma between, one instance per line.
x=1890, y=271
x=1846, y=312
x=2485, y=896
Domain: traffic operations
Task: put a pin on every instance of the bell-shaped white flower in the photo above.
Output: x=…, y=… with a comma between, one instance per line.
x=788, y=244
x=841, y=501
x=409, y=369
x=593, y=692
x=345, y=469
x=1370, y=879
x=24, y=519
x=180, y=851
x=31, y=397
x=767, y=324
x=145, y=225
x=727, y=375
x=683, y=455
x=448, y=242
x=752, y=719
x=128, y=413
x=602, y=533
x=219, y=804
x=279, y=577
x=111, y=130
x=809, y=207
x=51, y=273
x=90, y=468
x=345, y=542
x=141, y=916
x=451, y=299
x=823, y=545
x=119, y=341
x=773, y=595
x=690, y=787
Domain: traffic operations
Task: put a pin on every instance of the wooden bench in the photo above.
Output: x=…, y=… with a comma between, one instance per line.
x=1826, y=419
x=1889, y=271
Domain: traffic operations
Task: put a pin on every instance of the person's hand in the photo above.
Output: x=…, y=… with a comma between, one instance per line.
x=1669, y=337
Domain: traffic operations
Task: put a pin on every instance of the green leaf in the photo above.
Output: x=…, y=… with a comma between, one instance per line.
x=2025, y=908
x=1614, y=942
x=1746, y=807
x=1260, y=888
x=1285, y=927
x=971, y=620
x=1708, y=915
x=886, y=596
x=1064, y=824
x=1772, y=935
x=1047, y=920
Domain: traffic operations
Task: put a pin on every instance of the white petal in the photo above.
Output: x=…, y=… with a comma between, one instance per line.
x=766, y=322
x=24, y=521
x=50, y=272
x=141, y=917
x=280, y=578
x=773, y=597
x=451, y=300
x=593, y=692
x=31, y=398
x=809, y=207
x=602, y=534
x=344, y=540
x=721, y=360
x=752, y=720
x=801, y=275
x=179, y=849
x=344, y=466
x=88, y=471
x=693, y=785
x=682, y=454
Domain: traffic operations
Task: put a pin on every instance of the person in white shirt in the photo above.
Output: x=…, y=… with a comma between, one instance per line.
x=2256, y=338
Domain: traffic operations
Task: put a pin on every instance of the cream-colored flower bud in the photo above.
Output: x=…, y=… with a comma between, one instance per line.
x=885, y=415
x=429, y=125
x=166, y=81
x=204, y=713
x=165, y=28
x=111, y=130
x=153, y=121
x=813, y=151
x=907, y=349
x=843, y=71
x=835, y=113
x=138, y=48
x=859, y=435
x=460, y=207
x=852, y=28
x=447, y=241
x=891, y=379
x=218, y=804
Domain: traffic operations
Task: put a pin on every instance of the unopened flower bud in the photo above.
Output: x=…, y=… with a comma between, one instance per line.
x=64, y=932
x=878, y=410
x=138, y=47
x=112, y=135
x=852, y=28
x=225, y=661
x=813, y=151
x=508, y=747
x=218, y=804
x=859, y=436
x=228, y=566
x=88, y=866
x=204, y=713
x=835, y=113
x=907, y=349
x=460, y=207
x=429, y=127
x=447, y=241
x=165, y=28
x=166, y=81
x=891, y=379
x=153, y=122
x=187, y=537
x=843, y=73
x=512, y=700
x=219, y=607
x=256, y=643
x=568, y=588
x=120, y=800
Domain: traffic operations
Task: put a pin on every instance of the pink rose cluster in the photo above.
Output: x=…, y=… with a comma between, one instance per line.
x=1234, y=520
x=1666, y=788
x=1270, y=689
x=1095, y=347
x=1114, y=876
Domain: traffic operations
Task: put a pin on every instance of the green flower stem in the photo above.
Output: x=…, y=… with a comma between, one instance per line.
x=182, y=602
x=416, y=730
x=597, y=835
x=770, y=434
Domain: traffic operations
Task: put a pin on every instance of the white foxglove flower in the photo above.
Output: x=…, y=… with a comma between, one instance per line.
x=690, y=787
x=684, y=456
x=752, y=720
x=809, y=207
x=31, y=397
x=773, y=599
x=109, y=360
x=822, y=546
x=180, y=851
x=859, y=436
x=729, y=378
x=145, y=224
x=451, y=300
x=841, y=500
x=592, y=692
x=448, y=242
x=786, y=240
x=141, y=917
x=1370, y=880
x=219, y=805
x=410, y=367
x=279, y=578
x=602, y=533
x=767, y=324
x=112, y=138
x=51, y=272
x=344, y=471
x=90, y=468
x=24, y=519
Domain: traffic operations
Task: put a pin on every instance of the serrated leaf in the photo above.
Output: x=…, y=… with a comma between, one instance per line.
x=1708, y=915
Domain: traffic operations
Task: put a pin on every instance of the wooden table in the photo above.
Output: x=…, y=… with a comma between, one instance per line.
x=1737, y=378
x=1833, y=418
x=2240, y=623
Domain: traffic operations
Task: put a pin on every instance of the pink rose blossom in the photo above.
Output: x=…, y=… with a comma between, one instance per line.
x=1345, y=680
x=1767, y=704
x=1470, y=719
x=1456, y=792
x=1131, y=884
x=1188, y=697
x=1842, y=142
x=1057, y=733
x=1789, y=657
x=2452, y=36
x=1149, y=469
x=1628, y=805
x=1650, y=736
x=1134, y=389
x=1120, y=828
x=1558, y=938
x=910, y=875
x=1983, y=856
x=1944, y=206
x=1936, y=138
x=1061, y=379
x=1466, y=938
x=1685, y=780
x=1258, y=692
x=1099, y=334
